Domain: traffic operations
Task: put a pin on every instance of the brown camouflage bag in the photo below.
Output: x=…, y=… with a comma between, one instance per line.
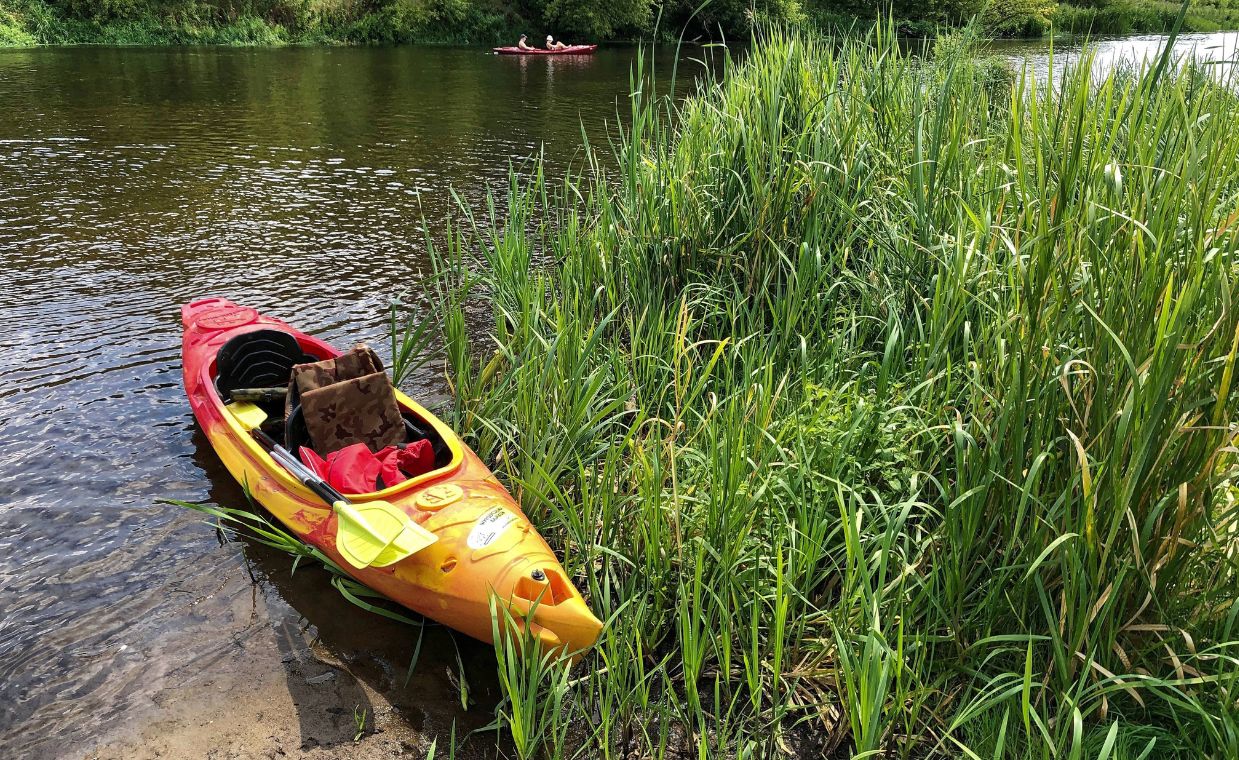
x=347, y=400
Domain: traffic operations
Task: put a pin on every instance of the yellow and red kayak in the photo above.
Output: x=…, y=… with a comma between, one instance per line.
x=485, y=544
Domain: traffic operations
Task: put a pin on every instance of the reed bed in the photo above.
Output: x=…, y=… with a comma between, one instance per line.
x=884, y=406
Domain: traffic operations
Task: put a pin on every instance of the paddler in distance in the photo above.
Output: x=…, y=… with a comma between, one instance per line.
x=522, y=44
x=551, y=44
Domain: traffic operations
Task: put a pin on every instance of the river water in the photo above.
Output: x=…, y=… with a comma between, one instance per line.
x=1219, y=51
x=296, y=181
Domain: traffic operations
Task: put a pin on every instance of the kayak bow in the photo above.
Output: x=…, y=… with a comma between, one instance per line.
x=485, y=543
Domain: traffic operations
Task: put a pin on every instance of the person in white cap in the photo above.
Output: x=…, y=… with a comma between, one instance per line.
x=551, y=44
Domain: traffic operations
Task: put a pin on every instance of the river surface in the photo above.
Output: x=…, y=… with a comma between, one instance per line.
x=1218, y=51
x=296, y=181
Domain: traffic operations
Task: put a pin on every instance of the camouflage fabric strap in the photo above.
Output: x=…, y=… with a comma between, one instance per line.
x=347, y=400
x=358, y=362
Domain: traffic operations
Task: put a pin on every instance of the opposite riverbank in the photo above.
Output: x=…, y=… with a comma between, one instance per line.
x=26, y=23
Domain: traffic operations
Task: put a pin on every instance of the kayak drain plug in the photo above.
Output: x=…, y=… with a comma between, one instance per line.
x=538, y=575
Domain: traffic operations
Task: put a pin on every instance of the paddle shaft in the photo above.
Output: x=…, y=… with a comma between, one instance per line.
x=320, y=487
x=351, y=520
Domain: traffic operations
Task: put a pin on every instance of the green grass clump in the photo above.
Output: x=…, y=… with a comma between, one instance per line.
x=884, y=404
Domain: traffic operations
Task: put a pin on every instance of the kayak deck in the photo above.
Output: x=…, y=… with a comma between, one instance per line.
x=485, y=546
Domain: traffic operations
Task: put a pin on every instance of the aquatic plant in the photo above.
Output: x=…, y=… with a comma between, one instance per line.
x=534, y=683
x=411, y=337
x=882, y=404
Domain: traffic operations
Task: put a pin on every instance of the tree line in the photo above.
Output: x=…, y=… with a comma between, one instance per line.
x=478, y=21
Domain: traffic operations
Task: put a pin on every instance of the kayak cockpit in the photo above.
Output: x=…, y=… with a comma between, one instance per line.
x=254, y=369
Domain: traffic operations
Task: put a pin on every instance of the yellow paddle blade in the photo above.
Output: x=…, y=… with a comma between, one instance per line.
x=377, y=534
x=248, y=414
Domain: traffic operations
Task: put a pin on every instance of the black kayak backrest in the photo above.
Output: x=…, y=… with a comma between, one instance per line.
x=257, y=359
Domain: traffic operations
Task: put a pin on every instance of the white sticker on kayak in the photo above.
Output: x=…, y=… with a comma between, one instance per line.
x=490, y=526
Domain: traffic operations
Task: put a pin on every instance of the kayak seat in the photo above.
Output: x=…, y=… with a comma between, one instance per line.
x=257, y=359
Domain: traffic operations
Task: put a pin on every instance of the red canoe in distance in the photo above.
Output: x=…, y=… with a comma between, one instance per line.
x=572, y=50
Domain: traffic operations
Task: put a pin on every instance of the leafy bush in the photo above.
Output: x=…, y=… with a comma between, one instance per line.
x=13, y=32
x=1017, y=18
x=593, y=19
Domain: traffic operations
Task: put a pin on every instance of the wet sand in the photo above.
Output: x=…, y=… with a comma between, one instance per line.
x=238, y=710
x=241, y=711
x=260, y=680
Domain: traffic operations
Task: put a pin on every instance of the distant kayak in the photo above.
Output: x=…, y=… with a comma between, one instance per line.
x=572, y=50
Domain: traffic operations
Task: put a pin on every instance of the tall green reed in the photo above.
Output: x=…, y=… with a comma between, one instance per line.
x=882, y=401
